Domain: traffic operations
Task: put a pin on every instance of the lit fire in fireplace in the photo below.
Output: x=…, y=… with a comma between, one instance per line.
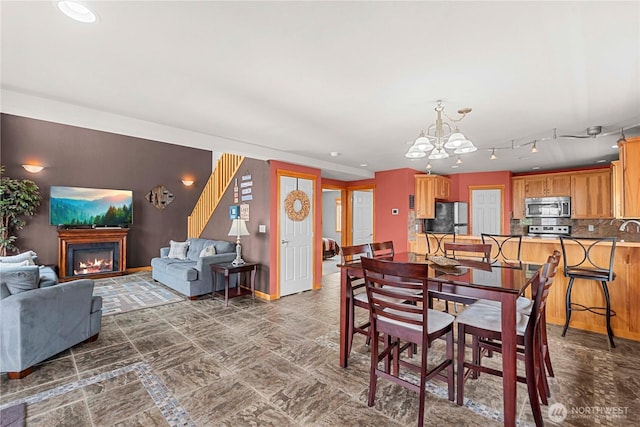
x=93, y=266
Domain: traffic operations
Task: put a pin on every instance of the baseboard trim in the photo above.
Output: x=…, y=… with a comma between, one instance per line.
x=138, y=269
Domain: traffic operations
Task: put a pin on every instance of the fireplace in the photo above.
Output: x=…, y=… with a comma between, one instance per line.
x=91, y=253
x=92, y=258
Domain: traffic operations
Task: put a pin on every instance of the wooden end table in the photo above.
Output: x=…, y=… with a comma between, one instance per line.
x=226, y=270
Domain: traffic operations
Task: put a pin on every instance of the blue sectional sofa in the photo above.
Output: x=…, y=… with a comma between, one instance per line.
x=40, y=322
x=192, y=276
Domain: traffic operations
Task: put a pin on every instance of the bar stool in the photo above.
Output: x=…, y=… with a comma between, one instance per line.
x=435, y=242
x=579, y=263
x=504, y=247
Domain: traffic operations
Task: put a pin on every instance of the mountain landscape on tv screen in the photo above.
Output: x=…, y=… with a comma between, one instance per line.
x=114, y=208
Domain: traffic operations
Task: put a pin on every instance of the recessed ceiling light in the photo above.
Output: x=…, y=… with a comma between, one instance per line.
x=535, y=167
x=78, y=11
x=334, y=154
x=601, y=161
x=364, y=165
x=455, y=166
x=615, y=146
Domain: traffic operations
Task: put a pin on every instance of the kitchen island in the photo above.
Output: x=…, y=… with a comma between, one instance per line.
x=624, y=290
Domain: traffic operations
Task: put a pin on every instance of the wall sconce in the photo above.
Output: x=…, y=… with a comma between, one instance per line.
x=33, y=168
x=187, y=182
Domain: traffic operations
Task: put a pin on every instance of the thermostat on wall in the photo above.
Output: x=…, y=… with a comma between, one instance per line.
x=394, y=211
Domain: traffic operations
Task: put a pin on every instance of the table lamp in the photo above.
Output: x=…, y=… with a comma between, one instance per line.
x=238, y=228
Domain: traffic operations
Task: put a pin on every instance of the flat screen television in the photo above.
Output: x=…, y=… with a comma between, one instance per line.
x=77, y=206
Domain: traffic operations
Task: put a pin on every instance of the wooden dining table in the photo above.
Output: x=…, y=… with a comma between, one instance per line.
x=500, y=281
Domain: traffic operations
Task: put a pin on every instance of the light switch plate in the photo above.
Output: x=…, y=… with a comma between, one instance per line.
x=262, y=228
x=591, y=228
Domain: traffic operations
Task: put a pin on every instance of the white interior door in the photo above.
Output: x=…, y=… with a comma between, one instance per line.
x=296, y=240
x=362, y=218
x=486, y=215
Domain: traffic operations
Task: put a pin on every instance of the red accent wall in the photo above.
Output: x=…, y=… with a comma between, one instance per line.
x=459, y=190
x=392, y=192
x=274, y=241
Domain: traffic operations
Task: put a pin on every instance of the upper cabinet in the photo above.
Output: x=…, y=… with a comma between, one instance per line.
x=590, y=191
x=556, y=184
x=629, y=198
x=428, y=189
x=517, y=192
x=591, y=194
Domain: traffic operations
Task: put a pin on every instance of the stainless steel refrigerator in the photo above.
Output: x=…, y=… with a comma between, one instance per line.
x=451, y=217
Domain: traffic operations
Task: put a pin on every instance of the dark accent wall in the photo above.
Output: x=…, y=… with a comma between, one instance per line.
x=255, y=248
x=80, y=157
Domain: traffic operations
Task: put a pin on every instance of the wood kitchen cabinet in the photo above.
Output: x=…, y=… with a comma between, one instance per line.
x=428, y=189
x=591, y=194
x=517, y=193
x=630, y=161
x=546, y=185
x=616, y=188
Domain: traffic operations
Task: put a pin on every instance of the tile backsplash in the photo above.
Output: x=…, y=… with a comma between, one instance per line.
x=580, y=227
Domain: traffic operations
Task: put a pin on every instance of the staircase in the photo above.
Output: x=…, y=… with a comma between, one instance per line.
x=226, y=168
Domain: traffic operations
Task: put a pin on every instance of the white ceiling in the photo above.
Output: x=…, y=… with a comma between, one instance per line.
x=297, y=80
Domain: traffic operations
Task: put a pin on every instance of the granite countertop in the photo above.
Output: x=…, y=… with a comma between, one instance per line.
x=620, y=243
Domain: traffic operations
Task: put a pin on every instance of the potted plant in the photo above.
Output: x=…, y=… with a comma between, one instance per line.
x=19, y=198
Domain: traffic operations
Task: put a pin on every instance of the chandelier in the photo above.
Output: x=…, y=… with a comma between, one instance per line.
x=440, y=137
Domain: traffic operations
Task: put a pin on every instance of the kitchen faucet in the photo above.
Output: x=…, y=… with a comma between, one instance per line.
x=635, y=221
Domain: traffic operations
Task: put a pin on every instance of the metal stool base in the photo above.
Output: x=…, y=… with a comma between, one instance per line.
x=600, y=311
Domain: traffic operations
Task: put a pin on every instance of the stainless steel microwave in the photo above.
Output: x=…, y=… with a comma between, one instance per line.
x=547, y=207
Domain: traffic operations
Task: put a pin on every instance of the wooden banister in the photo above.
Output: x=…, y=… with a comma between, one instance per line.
x=226, y=168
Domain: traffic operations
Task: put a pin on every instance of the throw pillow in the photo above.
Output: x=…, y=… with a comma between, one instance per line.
x=208, y=251
x=25, y=256
x=20, y=279
x=178, y=250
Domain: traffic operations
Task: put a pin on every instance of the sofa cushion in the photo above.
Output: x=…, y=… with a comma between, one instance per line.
x=20, y=258
x=178, y=250
x=183, y=271
x=20, y=278
x=180, y=269
x=224, y=247
x=48, y=276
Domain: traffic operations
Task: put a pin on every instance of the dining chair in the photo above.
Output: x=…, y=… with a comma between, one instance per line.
x=504, y=247
x=475, y=251
x=582, y=262
x=524, y=305
x=382, y=249
x=484, y=324
x=398, y=310
x=466, y=250
x=357, y=296
x=435, y=242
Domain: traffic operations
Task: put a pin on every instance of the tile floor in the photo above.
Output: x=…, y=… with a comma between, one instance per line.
x=197, y=363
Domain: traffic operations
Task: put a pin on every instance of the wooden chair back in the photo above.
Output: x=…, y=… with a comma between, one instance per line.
x=465, y=250
x=382, y=249
x=396, y=293
x=349, y=254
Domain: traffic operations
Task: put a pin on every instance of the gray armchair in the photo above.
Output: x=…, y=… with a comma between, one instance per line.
x=40, y=323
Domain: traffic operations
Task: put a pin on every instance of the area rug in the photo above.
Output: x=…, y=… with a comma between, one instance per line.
x=132, y=292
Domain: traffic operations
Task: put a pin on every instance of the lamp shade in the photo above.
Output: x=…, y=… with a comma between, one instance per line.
x=238, y=228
